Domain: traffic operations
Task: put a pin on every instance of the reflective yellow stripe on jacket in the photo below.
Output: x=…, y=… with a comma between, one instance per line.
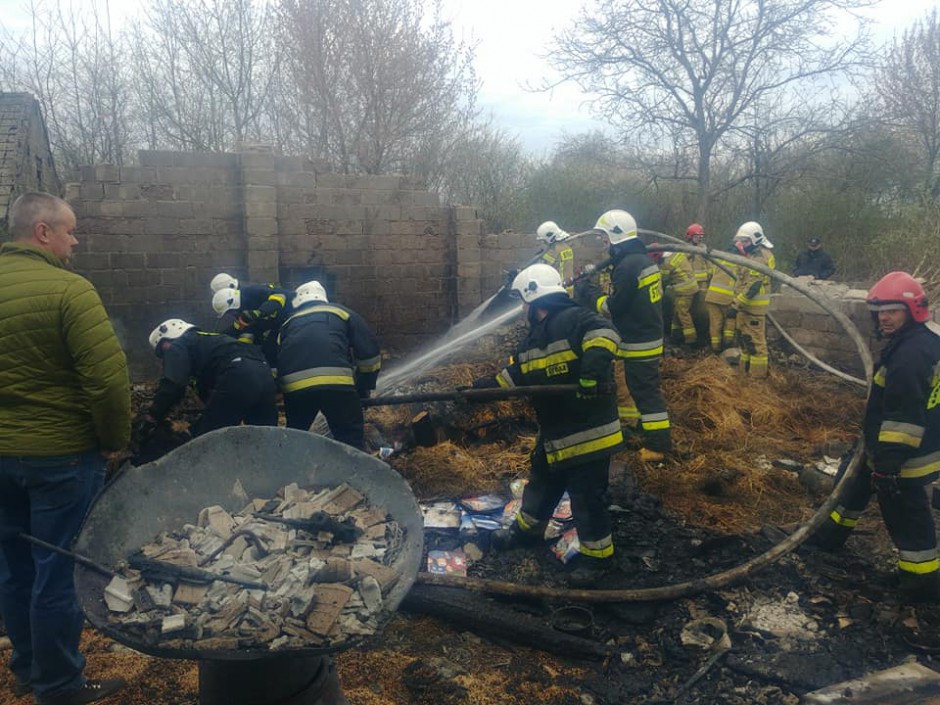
x=543, y=358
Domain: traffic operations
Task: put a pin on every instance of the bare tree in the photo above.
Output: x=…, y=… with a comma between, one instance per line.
x=686, y=73
x=375, y=81
x=68, y=60
x=206, y=69
x=908, y=83
x=488, y=169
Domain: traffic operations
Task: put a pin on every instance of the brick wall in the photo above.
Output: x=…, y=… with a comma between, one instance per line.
x=25, y=159
x=153, y=235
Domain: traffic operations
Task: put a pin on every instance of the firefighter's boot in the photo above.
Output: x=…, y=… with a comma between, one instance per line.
x=588, y=571
x=830, y=537
x=919, y=588
x=513, y=537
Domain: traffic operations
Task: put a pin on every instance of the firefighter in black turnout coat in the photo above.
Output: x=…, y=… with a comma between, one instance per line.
x=634, y=304
x=232, y=378
x=902, y=438
x=260, y=309
x=566, y=344
x=328, y=360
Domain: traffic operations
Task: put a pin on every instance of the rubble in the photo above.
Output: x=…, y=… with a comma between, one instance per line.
x=301, y=584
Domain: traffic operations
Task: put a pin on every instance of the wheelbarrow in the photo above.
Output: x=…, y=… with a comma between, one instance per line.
x=222, y=467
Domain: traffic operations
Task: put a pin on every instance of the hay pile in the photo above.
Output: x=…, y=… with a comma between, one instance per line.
x=727, y=430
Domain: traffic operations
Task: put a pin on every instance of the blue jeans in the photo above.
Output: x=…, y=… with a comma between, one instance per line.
x=48, y=498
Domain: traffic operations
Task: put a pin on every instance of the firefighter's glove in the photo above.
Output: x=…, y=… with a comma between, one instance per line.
x=732, y=312
x=363, y=392
x=885, y=485
x=589, y=269
x=485, y=383
x=246, y=318
x=587, y=389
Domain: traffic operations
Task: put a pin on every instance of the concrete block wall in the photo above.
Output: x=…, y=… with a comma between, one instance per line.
x=820, y=333
x=153, y=235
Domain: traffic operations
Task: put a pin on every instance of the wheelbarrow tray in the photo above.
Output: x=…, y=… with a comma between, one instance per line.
x=220, y=468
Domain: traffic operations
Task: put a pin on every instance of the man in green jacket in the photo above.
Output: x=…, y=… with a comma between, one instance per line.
x=64, y=404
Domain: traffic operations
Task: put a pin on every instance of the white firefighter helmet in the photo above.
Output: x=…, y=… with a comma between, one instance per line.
x=170, y=329
x=537, y=281
x=225, y=300
x=311, y=291
x=619, y=226
x=549, y=232
x=223, y=281
x=753, y=233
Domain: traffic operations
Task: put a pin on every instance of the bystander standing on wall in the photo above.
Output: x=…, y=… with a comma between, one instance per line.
x=814, y=261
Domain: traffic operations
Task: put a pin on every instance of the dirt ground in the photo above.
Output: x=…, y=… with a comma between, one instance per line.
x=808, y=621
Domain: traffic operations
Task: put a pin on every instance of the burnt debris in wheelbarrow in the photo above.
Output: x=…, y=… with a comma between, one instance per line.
x=221, y=469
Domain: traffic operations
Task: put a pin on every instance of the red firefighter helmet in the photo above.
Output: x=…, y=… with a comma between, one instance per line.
x=897, y=290
x=693, y=231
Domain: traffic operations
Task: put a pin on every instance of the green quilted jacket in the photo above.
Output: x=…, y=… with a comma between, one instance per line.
x=63, y=376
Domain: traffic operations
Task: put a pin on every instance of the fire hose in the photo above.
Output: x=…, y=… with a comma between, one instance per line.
x=724, y=578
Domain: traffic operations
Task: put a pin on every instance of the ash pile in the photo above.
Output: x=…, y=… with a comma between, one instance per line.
x=309, y=569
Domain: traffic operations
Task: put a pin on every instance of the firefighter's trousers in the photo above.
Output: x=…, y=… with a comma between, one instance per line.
x=908, y=517
x=643, y=384
x=244, y=391
x=720, y=328
x=341, y=407
x=586, y=484
x=682, y=324
x=753, y=336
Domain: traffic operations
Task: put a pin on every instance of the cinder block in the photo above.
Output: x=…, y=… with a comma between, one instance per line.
x=330, y=181
x=261, y=227
x=91, y=192
x=162, y=226
x=138, y=174
x=257, y=161
x=107, y=173
x=196, y=226
x=259, y=193
x=163, y=260
x=128, y=261
x=464, y=213
x=261, y=209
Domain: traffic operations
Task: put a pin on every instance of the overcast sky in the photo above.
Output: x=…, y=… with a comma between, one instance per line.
x=511, y=36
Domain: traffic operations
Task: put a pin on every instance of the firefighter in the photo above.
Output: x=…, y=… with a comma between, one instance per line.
x=635, y=306
x=232, y=378
x=752, y=299
x=901, y=431
x=718, y=297
x=556, y=254
x=701, y=265
x=578, y=432
x=695, y=235
x=260, y=310
x=680, y=285
x=328, y=360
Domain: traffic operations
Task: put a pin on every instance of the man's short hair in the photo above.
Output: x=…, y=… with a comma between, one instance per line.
x=815, y=241
x=31, y=208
